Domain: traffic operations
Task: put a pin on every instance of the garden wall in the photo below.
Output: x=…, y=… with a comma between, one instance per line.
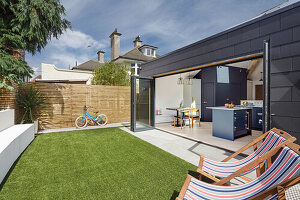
x=66, y=103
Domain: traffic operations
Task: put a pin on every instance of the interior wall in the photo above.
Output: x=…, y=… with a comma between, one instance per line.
x=168, y=94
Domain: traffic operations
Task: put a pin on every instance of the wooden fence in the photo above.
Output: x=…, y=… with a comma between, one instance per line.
x=66, y=103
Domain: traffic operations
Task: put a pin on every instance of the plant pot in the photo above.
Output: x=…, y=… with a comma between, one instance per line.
x=36, y=125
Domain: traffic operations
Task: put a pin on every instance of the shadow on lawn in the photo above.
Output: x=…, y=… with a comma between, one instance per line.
x=195, y=175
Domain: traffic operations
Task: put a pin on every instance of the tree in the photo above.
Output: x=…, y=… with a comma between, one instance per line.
x=28, y=25
x=112, y=73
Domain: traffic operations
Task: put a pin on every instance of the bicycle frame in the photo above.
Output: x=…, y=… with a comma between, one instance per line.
x=93, y=118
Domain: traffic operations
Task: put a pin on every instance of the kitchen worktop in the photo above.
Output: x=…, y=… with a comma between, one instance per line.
x=234, y=108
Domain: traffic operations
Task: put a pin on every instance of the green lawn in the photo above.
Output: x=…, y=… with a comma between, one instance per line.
x=95, y=164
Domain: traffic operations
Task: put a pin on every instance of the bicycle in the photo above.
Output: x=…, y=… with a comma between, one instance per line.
x=82, y=121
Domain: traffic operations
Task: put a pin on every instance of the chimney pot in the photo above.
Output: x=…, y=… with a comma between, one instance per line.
x=115, y=44
x=137, y=41
x=100, y=56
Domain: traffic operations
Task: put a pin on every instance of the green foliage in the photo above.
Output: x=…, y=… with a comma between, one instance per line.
x=31, y=102
x=111, y=73
x=27, y=25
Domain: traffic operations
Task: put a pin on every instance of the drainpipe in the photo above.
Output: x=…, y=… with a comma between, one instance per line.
x=266, y=87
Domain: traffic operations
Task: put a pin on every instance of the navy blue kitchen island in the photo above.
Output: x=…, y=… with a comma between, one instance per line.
x=230, y=123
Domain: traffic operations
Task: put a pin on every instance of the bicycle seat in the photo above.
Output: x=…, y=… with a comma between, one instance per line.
x=96, y=112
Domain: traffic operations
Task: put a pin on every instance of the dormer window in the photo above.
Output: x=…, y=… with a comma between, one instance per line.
x=148, y=50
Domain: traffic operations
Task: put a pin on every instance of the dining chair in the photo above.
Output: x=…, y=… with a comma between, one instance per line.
x=184, y=115
x=196, y=116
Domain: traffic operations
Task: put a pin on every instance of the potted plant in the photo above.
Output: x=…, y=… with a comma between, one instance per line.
x=31, y=102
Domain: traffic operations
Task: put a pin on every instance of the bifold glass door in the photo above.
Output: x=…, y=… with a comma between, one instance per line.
x=142, y=103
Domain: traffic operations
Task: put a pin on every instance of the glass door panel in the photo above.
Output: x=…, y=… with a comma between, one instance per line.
x=142, y=99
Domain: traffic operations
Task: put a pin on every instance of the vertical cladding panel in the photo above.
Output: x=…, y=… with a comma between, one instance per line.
x=291, y=18
x=296, y=63
x=270, y=25
x=250, y=32
x=235, y=37
x=284, y=123
x=242, y=48
x=288, y=50
x=286, y=109
x=281, y=65
x=296, y=33
x=282, y=37
x=257, y=44
x=296, y=93
x=285, y=79
x=281, y=94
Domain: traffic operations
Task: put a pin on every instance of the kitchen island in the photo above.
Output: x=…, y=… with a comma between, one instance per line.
x=230, y=123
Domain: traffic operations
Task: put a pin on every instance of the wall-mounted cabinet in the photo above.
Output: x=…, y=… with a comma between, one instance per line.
x=216, y=91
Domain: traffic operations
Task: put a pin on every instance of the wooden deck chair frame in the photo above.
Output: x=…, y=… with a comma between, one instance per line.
x=253, y=144
x=278, y=189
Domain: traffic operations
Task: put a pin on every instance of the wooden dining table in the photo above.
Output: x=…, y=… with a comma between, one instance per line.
x=177, y=114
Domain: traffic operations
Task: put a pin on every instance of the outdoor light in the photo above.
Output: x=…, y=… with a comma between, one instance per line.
x=180, y=80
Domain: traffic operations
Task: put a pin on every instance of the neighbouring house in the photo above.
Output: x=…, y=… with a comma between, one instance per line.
x=137, y=55
x=51, y=74
x=82, y=74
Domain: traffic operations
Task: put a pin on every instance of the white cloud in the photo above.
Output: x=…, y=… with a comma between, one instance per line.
x=77, y=40
x=67, y=59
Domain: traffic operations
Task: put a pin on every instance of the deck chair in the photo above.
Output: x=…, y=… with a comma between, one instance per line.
x=213, y=169
x=278, y=176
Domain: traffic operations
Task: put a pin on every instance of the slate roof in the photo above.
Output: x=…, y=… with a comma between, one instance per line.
x=88, y=65
x=136, y=54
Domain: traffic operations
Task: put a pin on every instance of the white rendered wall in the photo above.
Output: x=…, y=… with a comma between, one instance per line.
x=167, y=94
x=7, y=118
x=50, y=72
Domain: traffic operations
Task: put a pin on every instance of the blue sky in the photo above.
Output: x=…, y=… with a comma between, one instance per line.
x=167, y=24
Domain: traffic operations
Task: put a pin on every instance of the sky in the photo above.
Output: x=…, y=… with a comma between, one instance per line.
x=166, y=24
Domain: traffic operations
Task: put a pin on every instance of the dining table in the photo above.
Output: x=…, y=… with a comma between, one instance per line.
x=177, y=113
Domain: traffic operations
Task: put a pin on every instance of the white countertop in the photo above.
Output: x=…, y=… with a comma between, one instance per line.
x=235, y=108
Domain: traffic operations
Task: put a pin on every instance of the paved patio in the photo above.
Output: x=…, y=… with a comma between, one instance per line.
x=204, y=134
x=186, y=149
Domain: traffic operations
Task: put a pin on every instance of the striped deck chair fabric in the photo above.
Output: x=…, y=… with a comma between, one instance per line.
x=224, y=169
x=286, y=165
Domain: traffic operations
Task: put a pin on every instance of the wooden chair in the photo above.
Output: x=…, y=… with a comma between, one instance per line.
x=195, y=117
x=184, y=115
x=278, y=176
x=213, y=169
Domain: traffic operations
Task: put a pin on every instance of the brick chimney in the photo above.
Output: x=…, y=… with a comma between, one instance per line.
x=115, y=44
x=100, y=56
x=137, y=41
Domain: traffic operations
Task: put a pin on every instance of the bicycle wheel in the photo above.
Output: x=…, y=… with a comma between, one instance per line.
x=101, y=120
x=81, y=122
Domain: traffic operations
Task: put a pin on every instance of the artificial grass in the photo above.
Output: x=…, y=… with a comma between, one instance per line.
x=95, y=164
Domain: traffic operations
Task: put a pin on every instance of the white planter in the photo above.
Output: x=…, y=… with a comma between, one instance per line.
x=36, y=125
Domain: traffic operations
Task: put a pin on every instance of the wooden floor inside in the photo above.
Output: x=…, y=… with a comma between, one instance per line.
x=204, y=134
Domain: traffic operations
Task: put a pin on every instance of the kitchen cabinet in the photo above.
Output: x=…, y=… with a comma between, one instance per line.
x=214, y=93
x=230, y=123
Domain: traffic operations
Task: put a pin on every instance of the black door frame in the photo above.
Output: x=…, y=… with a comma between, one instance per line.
x=133, y=104
x=266, y=87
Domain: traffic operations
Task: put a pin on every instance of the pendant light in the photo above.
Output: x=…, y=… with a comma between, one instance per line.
x=188, y=81
x=180, y=80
